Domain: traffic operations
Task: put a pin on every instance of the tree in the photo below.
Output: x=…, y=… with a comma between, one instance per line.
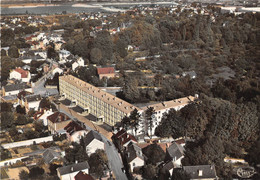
x=179, y=174
x=24, y=175
x=253, y=156
x=104, y=42
x=95, y=55
x=35, y=172
x=6, y=107
x=125, y=122
x=98, y=162
x=134, y=119
x=77, y=153
x=51, y=52
x=7, y=120
x=3, y=53
x=154, y=154
x=20, y=109
x=149, y=113
x=13, y=52
x=5, y=154
x=149, y=171
x=21, y=119
x=53, y=169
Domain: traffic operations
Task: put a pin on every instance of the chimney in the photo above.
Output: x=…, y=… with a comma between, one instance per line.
x=200, y=172
x=76, y=162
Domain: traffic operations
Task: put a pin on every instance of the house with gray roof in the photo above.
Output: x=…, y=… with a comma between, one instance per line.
x=49, y=155
x=14, y=89
x=93, y=141
x=201, y=172
x=135, y=157
x=174, y=153
x=69, y=172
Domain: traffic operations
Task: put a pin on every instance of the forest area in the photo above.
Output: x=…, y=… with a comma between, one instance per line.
x=222, y=49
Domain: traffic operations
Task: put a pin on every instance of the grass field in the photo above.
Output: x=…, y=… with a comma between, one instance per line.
x=3, y=174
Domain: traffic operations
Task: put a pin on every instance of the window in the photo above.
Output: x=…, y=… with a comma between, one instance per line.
x=134, y=164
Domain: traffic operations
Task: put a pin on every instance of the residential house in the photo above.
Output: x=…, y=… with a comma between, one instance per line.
x=21, y=95
x=93, y=141
x=201, y=172
x=75, y=131
x=83, y=176
x=78, y=63
x=174, y=153
x=57, y=70
x=20, y=74
x=57, y=121
x=14, y=89
x=69, y=172
x=31, y=102
x=122, y=139
x=42, y=115
x=49, y=155
x=108, y=72
x=135, y=157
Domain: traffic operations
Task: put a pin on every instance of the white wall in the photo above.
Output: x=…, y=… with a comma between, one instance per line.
x=136, y=163
x=34, y=105
x=75, y=137
x=15, y=75
x=44, y=117
x=11, y=161
x=27, y=142
x=94, y=145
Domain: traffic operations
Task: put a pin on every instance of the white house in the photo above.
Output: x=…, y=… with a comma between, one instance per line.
x=57, y=70
x=174, y=153
x=135, y=157
x=78, y=63
x=20, y=74
x=14, y=89
x=93, y=141
x=31, y=102
x=69, y=172
x=63, y=54
x=75, y=132
x=162, y=108
x=42, y=115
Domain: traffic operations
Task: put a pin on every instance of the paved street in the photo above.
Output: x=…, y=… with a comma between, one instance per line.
x=114, y=158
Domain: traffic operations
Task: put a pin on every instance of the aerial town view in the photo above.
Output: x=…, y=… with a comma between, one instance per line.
x=130, y=90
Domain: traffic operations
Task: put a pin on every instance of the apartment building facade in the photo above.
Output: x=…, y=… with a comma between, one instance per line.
x=106, y=107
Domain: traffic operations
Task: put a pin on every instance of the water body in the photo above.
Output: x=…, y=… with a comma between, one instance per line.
x=48, y=10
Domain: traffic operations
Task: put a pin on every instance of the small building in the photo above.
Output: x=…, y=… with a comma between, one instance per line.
x=69, y=172
x=201, y=172
x=134, y=156
x=74, y=131
x=42, y=115
x=108, y=72
x=49, y=155
x=14, y=89
x=83, y=176
x=122, y=139
x=57, y=121
x=32, y=102
x=174, y=153
x=20, y=74
x=93, y=141
x=78, y=63
x=57, y=70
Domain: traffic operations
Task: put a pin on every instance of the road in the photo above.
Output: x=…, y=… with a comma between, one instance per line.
x=114, y=158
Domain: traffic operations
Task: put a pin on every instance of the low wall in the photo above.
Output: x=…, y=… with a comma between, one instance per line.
x=11, y=161
x=27, y=142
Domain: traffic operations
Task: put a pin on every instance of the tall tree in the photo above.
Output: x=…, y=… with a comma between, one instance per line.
x=135, y=119
x=149, y=113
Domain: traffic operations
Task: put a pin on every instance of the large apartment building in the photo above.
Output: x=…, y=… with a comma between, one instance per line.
x=110, y=109
x=106, y=107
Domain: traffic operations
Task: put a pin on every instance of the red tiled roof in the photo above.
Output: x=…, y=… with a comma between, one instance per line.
x=106, y=70
x=73, y=127
x=58, y=117
x=119, y=133
x=23, y=73
x=83, y=176
x=129, y=138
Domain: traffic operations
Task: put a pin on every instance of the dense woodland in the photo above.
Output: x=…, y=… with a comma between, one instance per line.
x=222, y=49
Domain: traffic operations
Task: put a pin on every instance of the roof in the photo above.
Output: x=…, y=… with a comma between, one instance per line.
x=120, y=133
x=73, y=168
x=33, y=98
x=114, y=101
x=168, y=166
x=14, y=87
x=106, y=70
x=49, y=155
x=73, y=127
x=91, y=136
x=24, y=74
x=58, y=117
x=207, y=171
x=175, y=150
x=83, y=176
x=171, y=104
x=23, y=94
x=134, y=151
